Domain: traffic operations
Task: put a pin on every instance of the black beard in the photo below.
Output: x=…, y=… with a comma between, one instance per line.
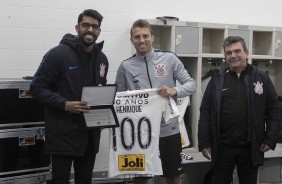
x=85, y=43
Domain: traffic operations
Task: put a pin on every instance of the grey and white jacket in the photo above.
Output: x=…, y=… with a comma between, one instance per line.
x=154, y=70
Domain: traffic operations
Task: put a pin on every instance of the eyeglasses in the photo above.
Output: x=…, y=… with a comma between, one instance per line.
x=86, y=25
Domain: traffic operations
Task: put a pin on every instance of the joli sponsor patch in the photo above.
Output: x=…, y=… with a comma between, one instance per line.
x=131, y=162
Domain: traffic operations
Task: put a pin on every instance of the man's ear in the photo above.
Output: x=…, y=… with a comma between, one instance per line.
x=247, y=52
x=76, y=28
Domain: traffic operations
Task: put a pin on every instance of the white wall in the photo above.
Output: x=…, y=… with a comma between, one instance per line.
x=29, y=28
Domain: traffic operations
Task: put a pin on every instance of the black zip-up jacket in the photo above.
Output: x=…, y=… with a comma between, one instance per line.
x=60, y=78
x=234, y=111
x=263, y=112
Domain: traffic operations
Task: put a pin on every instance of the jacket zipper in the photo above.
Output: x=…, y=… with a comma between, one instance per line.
x=148, y=72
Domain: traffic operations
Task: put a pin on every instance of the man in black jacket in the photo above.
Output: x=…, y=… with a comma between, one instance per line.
x=76, y=62
x=239, y=117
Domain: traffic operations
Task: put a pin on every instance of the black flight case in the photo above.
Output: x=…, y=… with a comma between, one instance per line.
x=22, y=135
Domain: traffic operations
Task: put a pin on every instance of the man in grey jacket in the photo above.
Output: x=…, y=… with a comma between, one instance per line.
x=150, y=68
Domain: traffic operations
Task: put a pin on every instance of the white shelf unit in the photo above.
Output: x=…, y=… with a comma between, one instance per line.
x=199, y=47
x=212, y=40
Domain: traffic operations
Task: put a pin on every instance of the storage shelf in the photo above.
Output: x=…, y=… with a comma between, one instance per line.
x=188, y=55
x=262, y=43
x=212, y=40
x=199, y=46
x=212, y=55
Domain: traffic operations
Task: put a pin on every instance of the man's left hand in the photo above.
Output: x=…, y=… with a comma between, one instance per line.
x=264, y=148
x=166, y=91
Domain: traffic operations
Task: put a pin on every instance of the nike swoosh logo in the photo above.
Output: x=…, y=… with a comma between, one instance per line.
x=225, y=89
x=72, y=67
x=180, y=168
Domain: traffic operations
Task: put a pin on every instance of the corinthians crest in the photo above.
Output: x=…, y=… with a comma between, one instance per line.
x=258, y=88
x=160, y=70
x=102, y=70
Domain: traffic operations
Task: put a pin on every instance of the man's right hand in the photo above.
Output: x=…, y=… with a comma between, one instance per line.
x=207, y=153
x=77, y=106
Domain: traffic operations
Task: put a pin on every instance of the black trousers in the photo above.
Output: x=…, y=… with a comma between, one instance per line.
x=170, y=149
x=227, y=158
x=83, y=166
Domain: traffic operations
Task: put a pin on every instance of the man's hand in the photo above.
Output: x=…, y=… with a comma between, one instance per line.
x=166, y=91
x=207, y=153
x=77, y=106
x=264, y=148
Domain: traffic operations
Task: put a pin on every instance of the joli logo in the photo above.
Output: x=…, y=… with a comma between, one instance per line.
x=131, y=162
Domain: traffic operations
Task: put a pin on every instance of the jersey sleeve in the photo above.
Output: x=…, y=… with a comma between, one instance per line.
x=182, y=104
x=171, y=111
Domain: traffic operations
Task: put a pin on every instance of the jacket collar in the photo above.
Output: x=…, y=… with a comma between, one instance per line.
x=74, y=42
x=247, y=69
x=149, y=55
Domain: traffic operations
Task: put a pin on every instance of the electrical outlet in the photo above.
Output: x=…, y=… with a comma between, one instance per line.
x=178, y=39
x=277, y=44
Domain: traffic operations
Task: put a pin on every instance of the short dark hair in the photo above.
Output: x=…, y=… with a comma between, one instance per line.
x=234, y=39
x=142, y=24
x=90, y=13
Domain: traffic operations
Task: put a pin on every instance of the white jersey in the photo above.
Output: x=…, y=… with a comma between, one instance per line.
x=134, y=145
x=182, y=105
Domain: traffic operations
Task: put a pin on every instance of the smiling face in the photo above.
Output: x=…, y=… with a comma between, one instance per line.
x=142, y=39
x=236, y=57
x=88, y=34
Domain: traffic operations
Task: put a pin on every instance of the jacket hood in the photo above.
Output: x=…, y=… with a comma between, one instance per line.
x=75, y=42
